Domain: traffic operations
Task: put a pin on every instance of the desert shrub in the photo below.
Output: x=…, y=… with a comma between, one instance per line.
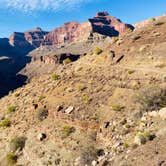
x=5, y=123
x=11, y=109
x=117, y=107
x=55, y=76
x=86, y=99
x=152, y=19
x=67, y=130
x=151, y=98
x=98, y=51
x=17, y=94
x=131, y=71
x=115, y=39
x=66, y=61
x=128, y=30
x=88, y=154
x=42, y=114
x=11, y=159
x=126, y=145
x=17, y=143
x=41, y=97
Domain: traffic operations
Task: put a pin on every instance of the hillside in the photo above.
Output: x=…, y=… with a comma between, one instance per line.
x=105, y=108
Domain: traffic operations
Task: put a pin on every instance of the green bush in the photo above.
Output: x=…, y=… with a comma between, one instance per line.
x=86, y=99
x=5, y=123
x=151, y=98
x=117, y=107
x=11, y=109
x=42, y=114
x=67, y=130
x=115, y=39
x=17, y=143
x=152, y=19
x=11, y=159
x=98, y=51
x=66, y=61
x=55, y=76
x=131, y=71
x=41, y=97
x=17, y=94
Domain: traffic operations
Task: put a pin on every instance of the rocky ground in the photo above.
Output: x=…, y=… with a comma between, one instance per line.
x=108, y=108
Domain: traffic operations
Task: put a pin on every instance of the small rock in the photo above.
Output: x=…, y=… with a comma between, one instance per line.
x=59, y=108
x=106, y=124
x=77, y=161
x=69, y=110
x=139, y=140
x=162, y=113
x=94, y=163
x=35, y=106
x=41, y=136
x=153, y=114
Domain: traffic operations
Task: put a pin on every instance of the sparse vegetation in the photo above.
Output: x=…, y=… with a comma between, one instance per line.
x=55, y=76
x=117, y=107
x=11, y=159
x=115, y=39
x=89, y=153
x=41, y=97
x=152, y=19
x=41, y=114
x=86, y=99
x=98, y=51
x=67, y=130
x=126, y=145
x=131, y=71
x=66, y=61
x=11, y=109
x=5, y=123
x=17, y=94
x=17, y=143
x=151, y=98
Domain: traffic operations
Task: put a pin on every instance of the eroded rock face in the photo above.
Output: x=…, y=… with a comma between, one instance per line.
x=68, y=33
x=27, y=40
x=102, y=23
x=107, y=25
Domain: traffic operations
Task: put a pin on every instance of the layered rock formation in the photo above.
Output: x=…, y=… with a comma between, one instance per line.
x=102, y=24
x=27, y=40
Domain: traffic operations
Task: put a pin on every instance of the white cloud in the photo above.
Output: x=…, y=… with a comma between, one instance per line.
x=40, y=5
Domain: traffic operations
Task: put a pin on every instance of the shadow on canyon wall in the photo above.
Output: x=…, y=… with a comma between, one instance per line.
x=12, y=60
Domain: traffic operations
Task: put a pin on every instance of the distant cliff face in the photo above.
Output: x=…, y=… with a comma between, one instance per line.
x=27, y=40
x=102, y=23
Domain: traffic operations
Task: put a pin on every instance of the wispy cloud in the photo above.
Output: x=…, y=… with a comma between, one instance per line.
x=41, y=5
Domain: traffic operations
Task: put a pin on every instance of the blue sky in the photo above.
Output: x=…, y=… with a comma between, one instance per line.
x=22, y=15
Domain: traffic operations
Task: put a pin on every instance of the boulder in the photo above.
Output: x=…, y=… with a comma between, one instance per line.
x=69, y=110
x=41, y=136
x=162, y=113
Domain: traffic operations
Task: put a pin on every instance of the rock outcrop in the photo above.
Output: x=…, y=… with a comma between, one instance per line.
x=27, y=40
x=102, y=24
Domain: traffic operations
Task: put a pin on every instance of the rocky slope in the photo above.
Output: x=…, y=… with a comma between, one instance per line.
x=20, y=44
x=107, y=108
